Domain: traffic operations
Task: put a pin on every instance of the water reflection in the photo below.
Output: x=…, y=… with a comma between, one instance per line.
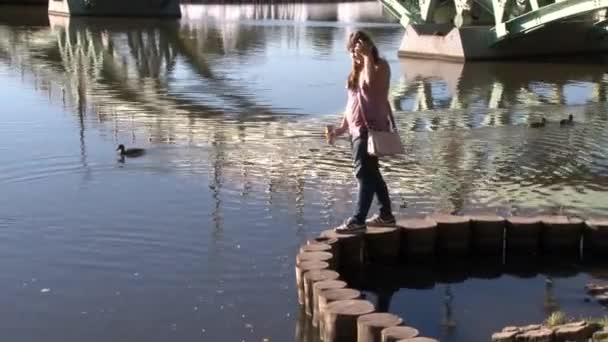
x=305, y=331
x=448, y=322
x=465, y=100
x=449, y=308
x=497, y=93
x=185, y=81
x=231, y=112
x=437, y=282
x=550, y=303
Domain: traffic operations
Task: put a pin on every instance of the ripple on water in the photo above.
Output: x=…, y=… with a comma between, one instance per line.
x=238, y=174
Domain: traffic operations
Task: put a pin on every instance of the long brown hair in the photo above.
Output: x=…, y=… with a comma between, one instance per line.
x=352, y=82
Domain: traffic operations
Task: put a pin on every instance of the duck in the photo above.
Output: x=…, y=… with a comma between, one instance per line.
x=540, y=124
x=568, y=121
x=130, y=152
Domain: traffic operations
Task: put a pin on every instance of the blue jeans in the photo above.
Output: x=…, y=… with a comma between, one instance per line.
x=367, y=172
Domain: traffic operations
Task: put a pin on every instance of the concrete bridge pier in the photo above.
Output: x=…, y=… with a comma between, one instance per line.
x=116, y=8
x=495, y=29
x=476, y=42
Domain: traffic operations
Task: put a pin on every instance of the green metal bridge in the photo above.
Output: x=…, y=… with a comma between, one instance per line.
x=487, y=29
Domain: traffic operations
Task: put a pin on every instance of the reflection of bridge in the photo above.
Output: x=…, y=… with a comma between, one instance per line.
x=473, y=101
x=483, y=29
x=494, y=90
x=167, y=81
x=134, y=61
x=122, y=61
x=130, y=75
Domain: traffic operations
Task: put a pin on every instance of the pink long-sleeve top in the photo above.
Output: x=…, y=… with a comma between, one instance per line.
x=368, y=106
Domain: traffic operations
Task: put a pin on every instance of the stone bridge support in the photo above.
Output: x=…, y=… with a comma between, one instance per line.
x=496, y=29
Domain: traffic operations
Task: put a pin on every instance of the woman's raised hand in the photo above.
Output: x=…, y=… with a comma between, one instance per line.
x=363, y=48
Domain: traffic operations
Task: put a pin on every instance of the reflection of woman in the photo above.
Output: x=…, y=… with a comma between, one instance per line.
x=367, y=106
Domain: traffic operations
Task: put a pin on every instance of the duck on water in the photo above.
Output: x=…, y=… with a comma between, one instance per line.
x=540, y=124
x=567, y=122
x=130, y=152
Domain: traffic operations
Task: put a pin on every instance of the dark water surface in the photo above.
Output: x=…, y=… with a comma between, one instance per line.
x=195, y=241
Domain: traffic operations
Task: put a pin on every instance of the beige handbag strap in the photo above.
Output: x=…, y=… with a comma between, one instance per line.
x=391, y=118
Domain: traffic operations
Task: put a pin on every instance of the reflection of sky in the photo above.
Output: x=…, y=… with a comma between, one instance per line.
x=291, y=70
x=577, y=93
x=572, y=92
x=313, y=82
x=510, y=301
x=307, y=59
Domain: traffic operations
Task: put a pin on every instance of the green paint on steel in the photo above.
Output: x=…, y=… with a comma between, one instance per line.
x=545, y=15
x=485, y=5
x=399, y=10
x=426, y=7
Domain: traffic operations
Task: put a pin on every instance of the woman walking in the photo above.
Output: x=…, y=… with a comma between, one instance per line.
x=367, y=108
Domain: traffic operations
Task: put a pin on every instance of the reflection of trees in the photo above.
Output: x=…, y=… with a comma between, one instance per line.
x=550, y=303
x=447, y=320
x=216, y=185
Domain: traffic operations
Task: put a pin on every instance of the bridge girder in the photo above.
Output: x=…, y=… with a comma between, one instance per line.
x=534, y=19
x=506, y=18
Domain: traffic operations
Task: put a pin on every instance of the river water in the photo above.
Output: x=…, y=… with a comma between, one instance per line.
x=196, y=239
